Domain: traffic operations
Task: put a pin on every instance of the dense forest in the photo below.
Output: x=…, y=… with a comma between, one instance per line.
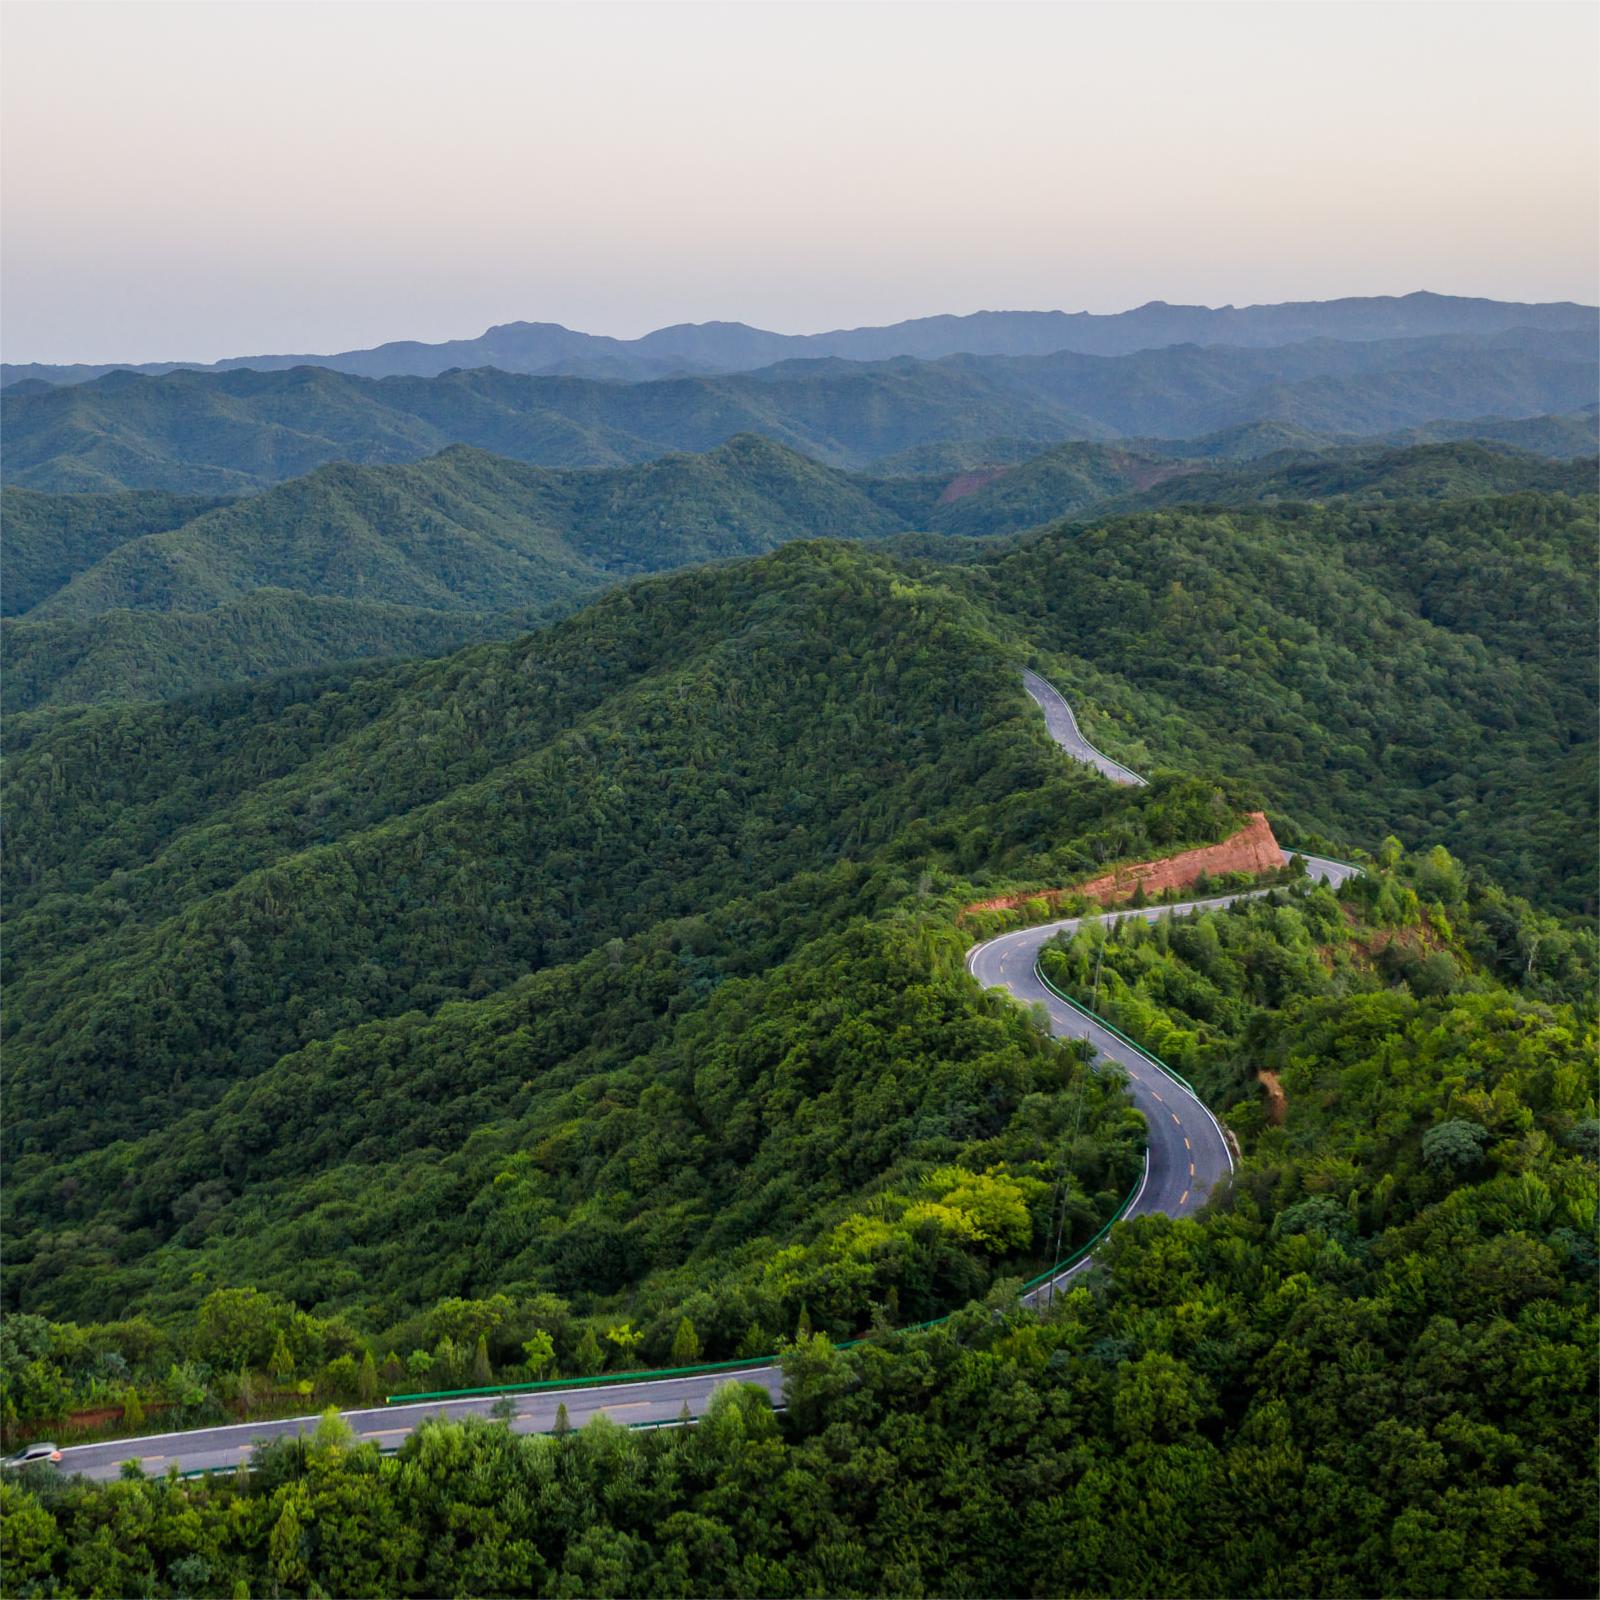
x=1420, y=669
x=620, y=848
x=124, y=655
x=50, y=538
x=148, y=596
x=1456, y=470
x=284, y=865
x=412, y=834
x=1367, y=1367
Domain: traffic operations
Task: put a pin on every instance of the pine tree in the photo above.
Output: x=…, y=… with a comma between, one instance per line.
x=685, y=1344
x=367, y=1379
x=285, y=1557
x=563, y=1425
x=132, y=1410
x=482, y=1372
x=281, y=1365
x=590, y=1357
x=446, y=1363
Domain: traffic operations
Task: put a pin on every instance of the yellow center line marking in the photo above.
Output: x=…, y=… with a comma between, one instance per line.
x=1191, y=1169
x=1158, y=1096
x=385, y=1433
x=152, y=1458
x=1185, y=1200
x=1186, y=1144
x=1174, y=1116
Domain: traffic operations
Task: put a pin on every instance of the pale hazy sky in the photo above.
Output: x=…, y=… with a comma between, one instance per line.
x=199, y=180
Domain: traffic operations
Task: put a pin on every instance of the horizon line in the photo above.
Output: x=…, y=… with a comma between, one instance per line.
x=312, y=358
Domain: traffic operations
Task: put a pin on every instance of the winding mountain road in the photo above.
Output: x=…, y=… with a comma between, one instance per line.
x=1187, y=1157
x=1188, y=1153
x=1064, y=729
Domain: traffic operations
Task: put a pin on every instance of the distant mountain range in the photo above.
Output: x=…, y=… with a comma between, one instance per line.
x=229, y=432
x=548, y=349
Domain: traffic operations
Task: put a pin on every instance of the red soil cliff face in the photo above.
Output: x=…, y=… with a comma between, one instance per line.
x=1252, y=849
x=966, y=483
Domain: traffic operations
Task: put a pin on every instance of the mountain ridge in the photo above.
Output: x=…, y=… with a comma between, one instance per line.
x=549, y=348
x=226, y=432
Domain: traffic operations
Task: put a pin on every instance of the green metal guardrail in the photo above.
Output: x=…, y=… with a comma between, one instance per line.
x=1083, y=1250
x=1154, y=1060
x=1115, y=1031
x=1133, y=1044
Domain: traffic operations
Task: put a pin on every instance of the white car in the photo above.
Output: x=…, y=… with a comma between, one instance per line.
x=33, y=1455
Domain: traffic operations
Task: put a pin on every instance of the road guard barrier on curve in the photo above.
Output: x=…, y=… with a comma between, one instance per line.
x=1133, y=1044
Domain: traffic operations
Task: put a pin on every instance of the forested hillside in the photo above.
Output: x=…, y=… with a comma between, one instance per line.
x=1447, y=471
x=388, y=561
x=598, y=998
x=50, y=538
x=137, y=597
x=724, y=729
x=373, y=842
x=195, y=892
x=124, y=655
x=685, y=866
x=1368, y=1366
x=223, y=432
x=474, y=532
x=1568, y=435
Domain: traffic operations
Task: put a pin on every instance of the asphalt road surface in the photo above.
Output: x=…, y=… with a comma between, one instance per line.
x=649, y=1400
x=1064, y=729
x=1186, y=1159
x=1188, y=1155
